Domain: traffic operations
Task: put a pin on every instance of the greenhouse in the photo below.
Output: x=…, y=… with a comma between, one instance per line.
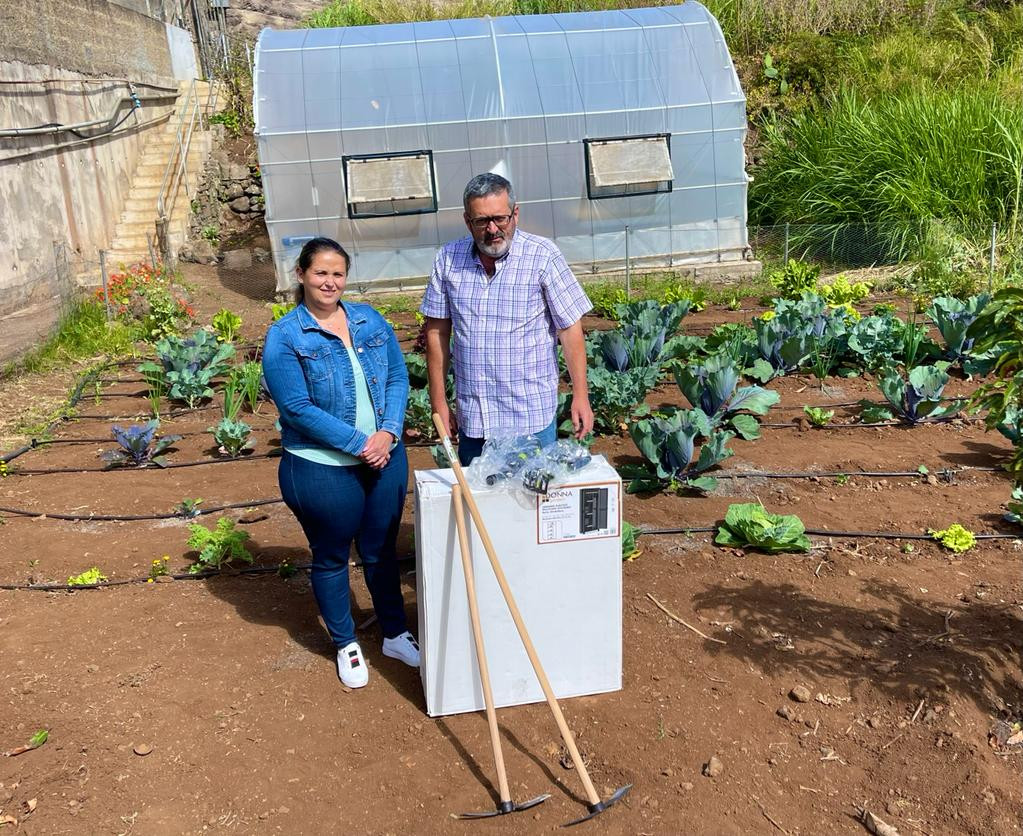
x=622, y=132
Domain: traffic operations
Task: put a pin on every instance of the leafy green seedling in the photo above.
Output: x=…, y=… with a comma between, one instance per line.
x=955, y=538
x=217, y=547
x=38, y=739
x=842, y=479
x=87, y=578
x=232, y=437
x=226, y=324
x=907, y=548
x=188, y=507
x=818, y=416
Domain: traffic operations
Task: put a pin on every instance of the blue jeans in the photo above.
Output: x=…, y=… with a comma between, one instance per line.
x=469, y=448
x=336, y=505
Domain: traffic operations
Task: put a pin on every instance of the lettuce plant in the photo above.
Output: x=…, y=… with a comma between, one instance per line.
x=919, y=396
x=749, y=526
x=87, y=578
x=713, y=388
x=818, y=416
x=226, y=324
x=139, y=446
x=232, y=436
x=668, y=445
x=955, y=538
x=795, y=278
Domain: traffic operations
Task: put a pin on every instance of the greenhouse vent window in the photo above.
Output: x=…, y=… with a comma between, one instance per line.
x=381, y=185
x=622, y=166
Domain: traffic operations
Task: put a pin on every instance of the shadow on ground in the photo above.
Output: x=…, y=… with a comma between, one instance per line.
x=289, y=604
x=902, y=645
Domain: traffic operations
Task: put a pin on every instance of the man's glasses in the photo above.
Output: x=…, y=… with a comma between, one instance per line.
x=481, y=224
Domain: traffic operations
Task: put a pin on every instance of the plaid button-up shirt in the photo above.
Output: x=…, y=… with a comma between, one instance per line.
x=504, y=331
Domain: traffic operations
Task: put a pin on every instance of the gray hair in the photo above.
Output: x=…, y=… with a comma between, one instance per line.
x=486, y=184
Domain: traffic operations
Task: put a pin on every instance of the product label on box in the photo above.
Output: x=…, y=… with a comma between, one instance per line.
x=578, y=512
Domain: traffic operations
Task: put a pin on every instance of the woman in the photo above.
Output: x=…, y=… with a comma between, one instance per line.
x=338, y=377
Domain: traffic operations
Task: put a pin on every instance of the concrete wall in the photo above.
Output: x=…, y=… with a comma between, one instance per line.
x=61, y=188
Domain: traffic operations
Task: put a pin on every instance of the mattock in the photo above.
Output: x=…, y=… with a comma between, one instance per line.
x=594, y=803
x=507, y=805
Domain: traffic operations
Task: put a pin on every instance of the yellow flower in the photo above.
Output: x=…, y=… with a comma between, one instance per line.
x=150, y=580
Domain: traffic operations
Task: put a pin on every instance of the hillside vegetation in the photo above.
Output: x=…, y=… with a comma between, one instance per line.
x=904, y=117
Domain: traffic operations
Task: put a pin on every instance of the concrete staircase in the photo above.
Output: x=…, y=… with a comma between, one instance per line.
x=141, y=211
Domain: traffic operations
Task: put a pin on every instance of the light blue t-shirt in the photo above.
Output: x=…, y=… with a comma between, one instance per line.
x=364, y=420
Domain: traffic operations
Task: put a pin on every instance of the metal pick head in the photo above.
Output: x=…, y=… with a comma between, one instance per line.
x=504, y=808
x=601, y=806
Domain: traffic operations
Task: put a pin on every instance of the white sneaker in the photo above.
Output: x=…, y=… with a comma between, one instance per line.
x=403, y=647
x=351, y=667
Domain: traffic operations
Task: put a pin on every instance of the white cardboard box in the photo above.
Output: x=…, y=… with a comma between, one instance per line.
x=563, y=562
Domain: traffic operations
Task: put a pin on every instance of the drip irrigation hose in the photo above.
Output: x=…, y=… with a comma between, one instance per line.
x=946, y=474
x=43, y=471
x=20, y=512
x=181, y=576
x=820, y=532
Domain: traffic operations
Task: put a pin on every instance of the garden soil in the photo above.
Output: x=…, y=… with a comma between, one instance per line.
x=866, y=674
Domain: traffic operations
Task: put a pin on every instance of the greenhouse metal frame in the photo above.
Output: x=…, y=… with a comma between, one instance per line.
x=622, y=132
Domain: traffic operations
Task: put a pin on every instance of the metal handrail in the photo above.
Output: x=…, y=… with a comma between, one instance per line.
x=177, y=165
x=161, y=201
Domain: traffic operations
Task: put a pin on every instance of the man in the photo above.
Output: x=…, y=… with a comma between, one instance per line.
x=508, y=297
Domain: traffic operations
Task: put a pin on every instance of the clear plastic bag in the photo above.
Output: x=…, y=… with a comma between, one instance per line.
x=519, y=463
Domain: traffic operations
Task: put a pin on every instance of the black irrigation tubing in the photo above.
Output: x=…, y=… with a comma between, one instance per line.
x=176, y=413
x=947, y=473
x=182, y=576
x=820, y=532
x=793, y=424
x=255, y=503
x=42, y=471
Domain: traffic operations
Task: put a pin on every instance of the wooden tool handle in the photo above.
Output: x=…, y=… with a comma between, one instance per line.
x=477, y=637
x=527, y=643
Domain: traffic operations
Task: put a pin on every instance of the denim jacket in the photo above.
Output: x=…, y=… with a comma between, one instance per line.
x=310, y=378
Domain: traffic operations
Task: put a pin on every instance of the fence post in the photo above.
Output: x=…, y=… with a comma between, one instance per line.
x=991, y=259
x=103, y=276
x=628, y=267
x=786, y=259
x=152, y=255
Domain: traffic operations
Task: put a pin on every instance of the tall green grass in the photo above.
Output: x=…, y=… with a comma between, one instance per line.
x=365, y=12
x=896, y=161
x=83, y=333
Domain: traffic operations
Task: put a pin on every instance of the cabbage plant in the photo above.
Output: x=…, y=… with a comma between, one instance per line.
x=919, y=395
x=749, y=526
x=953, y=318
x=713, y=387
x=139, y=446
x=668, y=443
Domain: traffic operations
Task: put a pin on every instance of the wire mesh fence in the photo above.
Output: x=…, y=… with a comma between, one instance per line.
x=986, y=252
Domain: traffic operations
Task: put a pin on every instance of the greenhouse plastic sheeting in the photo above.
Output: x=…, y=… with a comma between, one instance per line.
x=514, y=95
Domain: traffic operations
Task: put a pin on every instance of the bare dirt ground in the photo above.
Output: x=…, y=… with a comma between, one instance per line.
x=908, y=658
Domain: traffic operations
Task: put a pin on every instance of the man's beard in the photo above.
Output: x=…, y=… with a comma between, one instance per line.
x=496, y=249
